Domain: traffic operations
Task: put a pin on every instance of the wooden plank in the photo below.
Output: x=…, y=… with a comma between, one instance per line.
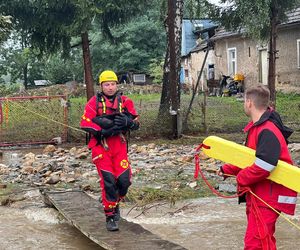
x=86, y=214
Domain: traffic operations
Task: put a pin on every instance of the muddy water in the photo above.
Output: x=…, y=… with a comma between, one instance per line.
x=31, y=225
x=209, y=223
x=38, y=228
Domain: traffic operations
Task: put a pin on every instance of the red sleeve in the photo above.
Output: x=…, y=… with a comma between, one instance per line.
x=251, y=175
x=86, y=122
x=267, y=155
x=230, y=169
x=129, y=106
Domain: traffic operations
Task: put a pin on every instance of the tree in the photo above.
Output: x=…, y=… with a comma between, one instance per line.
x=170, y=97
x=5, y=27
x=140, y=41
x=42, y=26
x=258, y=19
x=50, y=24
x=107, y=14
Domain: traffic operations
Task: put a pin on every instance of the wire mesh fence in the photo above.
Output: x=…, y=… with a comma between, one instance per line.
x=40, y=119
x=31, y=120
x=209, y=115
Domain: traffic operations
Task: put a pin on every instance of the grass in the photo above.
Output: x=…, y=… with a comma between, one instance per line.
x=223, y=116
x=28, y=120
x=175, y=191
x=13, y=192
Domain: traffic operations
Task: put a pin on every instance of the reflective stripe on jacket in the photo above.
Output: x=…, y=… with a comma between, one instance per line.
x=267, y=139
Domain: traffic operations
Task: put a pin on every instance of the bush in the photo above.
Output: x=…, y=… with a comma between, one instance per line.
x=9, y=89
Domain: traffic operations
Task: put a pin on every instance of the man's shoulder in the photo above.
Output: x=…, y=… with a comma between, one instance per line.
x=125, y=98
x=92, y=99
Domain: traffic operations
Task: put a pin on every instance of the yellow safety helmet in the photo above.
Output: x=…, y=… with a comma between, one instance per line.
x=108, y=76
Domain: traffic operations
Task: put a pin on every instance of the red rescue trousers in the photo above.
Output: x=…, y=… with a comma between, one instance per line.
x=114, y=171
x=260, y=229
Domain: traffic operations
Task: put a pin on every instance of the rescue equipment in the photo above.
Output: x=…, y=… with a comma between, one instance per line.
x=108, y=76
x=242, y=156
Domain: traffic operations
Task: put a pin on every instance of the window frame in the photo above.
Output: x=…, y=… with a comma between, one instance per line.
x=298, y=53
x=229, y=60
x=137, y=78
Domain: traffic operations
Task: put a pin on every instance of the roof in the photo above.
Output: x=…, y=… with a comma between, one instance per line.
x=190, y=33
x=293, y=17
x=223, y=33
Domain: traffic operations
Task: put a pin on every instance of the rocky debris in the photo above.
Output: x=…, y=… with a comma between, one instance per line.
x=54, y=166
x=152, y=165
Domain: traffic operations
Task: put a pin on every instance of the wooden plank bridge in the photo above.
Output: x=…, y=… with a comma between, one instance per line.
x=86, y=214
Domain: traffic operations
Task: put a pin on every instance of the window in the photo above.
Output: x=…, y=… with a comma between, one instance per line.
x=186, y=73
x=139, y=78
x=298, y=53
x=231, y=61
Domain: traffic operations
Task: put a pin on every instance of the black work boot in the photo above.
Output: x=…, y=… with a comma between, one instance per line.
x=117, y=213
x=111, y=224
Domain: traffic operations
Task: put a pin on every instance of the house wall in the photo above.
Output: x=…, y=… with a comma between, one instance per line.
x=193, y=63
x=247, y=58
x=287, y=70
x=287, y=67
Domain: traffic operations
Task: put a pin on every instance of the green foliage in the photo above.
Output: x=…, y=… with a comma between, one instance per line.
x=139, y=42
x=5, y=27
x=8, y=89
x=253, y=17
x=47, y=23
x=61, y=70
x=46, y=27
x=19, y=61
x=156, y=70
x=113, y=13
x=195, y=9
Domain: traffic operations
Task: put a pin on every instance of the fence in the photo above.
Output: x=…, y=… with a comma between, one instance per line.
x=33, y=120
x=40, y=119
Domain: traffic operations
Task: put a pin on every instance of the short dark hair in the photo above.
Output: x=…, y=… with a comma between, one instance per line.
x=260, y=95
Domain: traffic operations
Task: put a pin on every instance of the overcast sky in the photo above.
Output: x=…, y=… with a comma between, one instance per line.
x=216, y=2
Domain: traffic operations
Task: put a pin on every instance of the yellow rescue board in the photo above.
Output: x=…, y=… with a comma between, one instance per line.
x=241, y=156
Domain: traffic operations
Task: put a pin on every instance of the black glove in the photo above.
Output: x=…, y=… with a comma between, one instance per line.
x=123, y=120
x=103, y=122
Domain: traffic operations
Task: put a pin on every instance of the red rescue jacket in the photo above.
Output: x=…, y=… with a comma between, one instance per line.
x=268, y=137
x=99, y=105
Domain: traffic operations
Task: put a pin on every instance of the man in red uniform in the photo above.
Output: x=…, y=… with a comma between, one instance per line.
x=268, y=136
x=107, y=116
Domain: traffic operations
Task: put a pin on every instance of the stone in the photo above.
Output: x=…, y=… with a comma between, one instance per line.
x=83, y=155
x=29, y=157
x=49, y=149
x=73, y=151
x=52, y=180
x=27, y=169
x=192, y=184
x=70, y=180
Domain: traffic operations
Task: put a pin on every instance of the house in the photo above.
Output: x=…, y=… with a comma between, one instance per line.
x=236, y=53
x=195, y=34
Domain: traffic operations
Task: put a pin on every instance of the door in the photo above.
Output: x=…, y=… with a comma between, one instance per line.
x=263, y=66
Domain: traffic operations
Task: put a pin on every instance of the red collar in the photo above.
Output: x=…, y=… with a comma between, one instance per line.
x=248, y=126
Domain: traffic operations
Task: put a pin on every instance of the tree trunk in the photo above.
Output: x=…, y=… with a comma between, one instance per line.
x=273, y=55
x=25, y=75
x=170, y=97
x=88, y=76
x=165, y=94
